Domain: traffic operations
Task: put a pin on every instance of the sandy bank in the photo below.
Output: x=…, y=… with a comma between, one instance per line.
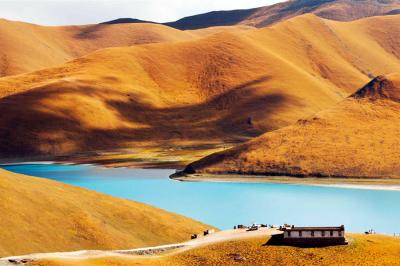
x=350, y=183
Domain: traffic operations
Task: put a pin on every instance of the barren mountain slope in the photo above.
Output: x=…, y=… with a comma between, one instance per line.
x=228, y=86
x=39, y=215
x=340, y=10
x=356, y=138
x=26, y=47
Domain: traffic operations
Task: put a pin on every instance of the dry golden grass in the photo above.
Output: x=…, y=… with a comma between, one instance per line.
x=362, y=250
x=230, y=86
x=27, y=47
x=39, y=215
x=357, y=138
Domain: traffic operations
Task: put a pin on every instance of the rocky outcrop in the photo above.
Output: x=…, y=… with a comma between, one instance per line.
x=380, y=87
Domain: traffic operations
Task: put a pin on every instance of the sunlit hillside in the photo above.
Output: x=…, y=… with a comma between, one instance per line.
x=39, y=215
x=356, y=138
x=229, y=86
x=27, y=47
x=362, y=250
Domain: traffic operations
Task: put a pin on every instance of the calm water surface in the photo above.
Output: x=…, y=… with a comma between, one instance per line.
x=226, y=204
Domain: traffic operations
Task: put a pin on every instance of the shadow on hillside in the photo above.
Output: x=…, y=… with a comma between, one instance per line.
x=90, y=32
x=274, y=240
x=216, y=18
x=26, y=125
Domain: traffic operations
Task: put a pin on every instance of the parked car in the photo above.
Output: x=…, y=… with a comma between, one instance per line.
x=254, y=227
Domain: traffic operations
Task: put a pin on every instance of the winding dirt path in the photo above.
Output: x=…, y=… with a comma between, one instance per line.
x=179, y=247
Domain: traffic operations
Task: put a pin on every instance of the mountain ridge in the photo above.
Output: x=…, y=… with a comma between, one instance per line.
x=26, y=47
x=340, y=10
x=227, y=87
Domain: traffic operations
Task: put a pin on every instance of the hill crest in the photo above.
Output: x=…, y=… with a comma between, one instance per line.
x=340, y=10
x=26, y=47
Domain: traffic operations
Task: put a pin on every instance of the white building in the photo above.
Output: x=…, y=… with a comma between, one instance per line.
x=313, y=236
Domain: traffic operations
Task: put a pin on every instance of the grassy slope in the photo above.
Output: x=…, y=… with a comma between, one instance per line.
x=362, y=250
x=201, y=90
x=358, y=137
x=26, y=47
x=39, y=215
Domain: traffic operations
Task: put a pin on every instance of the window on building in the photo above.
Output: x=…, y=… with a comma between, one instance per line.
x=340, y=233
x=300, y=233
x=331, y=233
x=323, y=233
x=289, y=233
x=312, y=233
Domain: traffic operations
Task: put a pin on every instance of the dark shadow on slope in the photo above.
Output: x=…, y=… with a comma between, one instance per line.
x=127, y=21
x=211, y=19
x=90, y=32
x=275, y=240
x=393, y=12
x=289, y=9
x=27, y=128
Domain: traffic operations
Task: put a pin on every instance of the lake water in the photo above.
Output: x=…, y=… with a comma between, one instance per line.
x=226, y=204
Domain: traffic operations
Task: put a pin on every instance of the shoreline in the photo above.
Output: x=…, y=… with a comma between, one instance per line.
x=348, y=183
x=165, y=156
x=389, y=184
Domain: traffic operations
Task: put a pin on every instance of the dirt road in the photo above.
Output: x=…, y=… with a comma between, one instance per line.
x=179, y=247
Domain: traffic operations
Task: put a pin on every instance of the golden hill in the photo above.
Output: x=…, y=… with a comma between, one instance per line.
x=27, y=47
x=362, y=250
x=356, y=138
x=226, y=87
x=39, y=215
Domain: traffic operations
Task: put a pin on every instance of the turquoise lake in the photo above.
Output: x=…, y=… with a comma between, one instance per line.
x=227, y=204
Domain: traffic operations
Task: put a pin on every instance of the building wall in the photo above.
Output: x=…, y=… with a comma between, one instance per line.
x=314, y=241
x=307, y=234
